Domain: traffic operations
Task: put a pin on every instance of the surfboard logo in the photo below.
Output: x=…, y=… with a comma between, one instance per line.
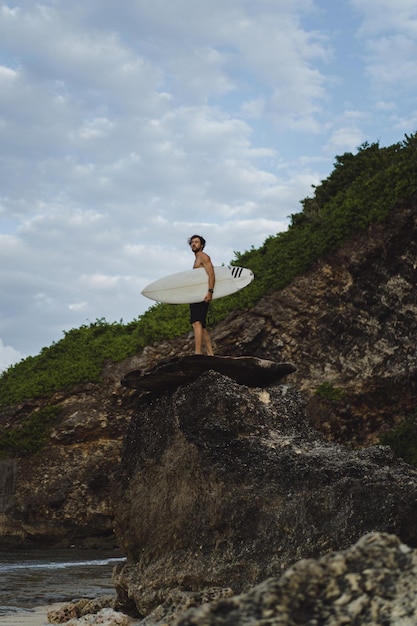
x=236, y=271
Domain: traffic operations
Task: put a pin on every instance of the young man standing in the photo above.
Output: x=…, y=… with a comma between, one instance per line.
x=198, y=311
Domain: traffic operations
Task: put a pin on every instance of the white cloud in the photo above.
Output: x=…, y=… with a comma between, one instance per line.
x=8, y=355
x=124, y=129
x=78, y=306
x=379, y=16
x=389, y=34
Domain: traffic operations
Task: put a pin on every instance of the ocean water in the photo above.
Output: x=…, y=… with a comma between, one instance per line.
x=36, y=577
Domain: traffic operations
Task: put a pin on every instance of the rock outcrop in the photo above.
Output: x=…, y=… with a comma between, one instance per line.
x=373, y=582
x=171, y=373
x=221, y=486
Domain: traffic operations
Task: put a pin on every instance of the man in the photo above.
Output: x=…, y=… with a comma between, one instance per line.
x=198, y=311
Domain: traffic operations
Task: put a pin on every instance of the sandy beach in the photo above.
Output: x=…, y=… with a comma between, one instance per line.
x=34, y=617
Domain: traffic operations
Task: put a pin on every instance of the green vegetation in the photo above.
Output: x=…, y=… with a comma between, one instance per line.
x=30, y=436
x=328, y=392
x=403, y=440
x=362, y=189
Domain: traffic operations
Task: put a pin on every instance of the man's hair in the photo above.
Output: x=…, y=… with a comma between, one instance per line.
x=202, y=240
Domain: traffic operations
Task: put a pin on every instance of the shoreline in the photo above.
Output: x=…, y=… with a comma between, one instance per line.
x=30, y=617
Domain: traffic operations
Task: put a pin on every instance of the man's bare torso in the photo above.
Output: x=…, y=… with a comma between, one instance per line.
x=201, y=260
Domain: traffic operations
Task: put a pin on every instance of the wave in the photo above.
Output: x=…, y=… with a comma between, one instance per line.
x=30, y=565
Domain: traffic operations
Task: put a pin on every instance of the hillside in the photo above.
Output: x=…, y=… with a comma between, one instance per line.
x=363, y=189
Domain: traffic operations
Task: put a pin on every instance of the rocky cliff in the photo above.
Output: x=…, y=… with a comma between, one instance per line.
x=350, y=323
x=60, y=496
x=221, y=485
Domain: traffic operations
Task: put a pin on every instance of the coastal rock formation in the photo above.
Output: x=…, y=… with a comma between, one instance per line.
x=221, y=486
x=103, y=617
x=373, y=582
x=60, y=496
x=348, y=324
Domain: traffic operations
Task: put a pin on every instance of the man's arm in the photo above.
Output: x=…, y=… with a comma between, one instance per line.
x=208, y=266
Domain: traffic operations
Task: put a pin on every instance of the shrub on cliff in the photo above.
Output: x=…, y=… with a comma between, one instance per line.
x=403, y=440
x=30, y=436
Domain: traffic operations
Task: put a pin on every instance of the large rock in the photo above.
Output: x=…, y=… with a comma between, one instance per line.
x=373, y=582
x=223, y=486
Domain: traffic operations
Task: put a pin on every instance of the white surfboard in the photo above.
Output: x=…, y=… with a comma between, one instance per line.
x=191, y=286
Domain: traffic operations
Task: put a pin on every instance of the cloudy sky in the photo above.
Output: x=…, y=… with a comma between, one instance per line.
x=128, y=125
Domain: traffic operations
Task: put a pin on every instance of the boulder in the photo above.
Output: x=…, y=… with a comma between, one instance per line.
x=373, y=582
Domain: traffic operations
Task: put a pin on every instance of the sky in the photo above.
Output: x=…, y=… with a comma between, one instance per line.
x=126, y=126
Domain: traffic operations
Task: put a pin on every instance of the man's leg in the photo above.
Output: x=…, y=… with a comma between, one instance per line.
x=198, y=337
x=207, y=342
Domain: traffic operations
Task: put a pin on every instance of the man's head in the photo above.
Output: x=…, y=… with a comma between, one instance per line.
x=197, y=239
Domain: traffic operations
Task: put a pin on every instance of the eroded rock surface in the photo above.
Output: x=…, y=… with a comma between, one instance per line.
x=222, y=486
x=373, y=582
x=60, y=496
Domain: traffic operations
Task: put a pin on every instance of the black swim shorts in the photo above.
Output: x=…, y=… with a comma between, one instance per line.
x=198, y=312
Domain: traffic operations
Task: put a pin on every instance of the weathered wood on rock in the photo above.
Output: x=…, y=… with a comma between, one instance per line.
x=245, y=370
